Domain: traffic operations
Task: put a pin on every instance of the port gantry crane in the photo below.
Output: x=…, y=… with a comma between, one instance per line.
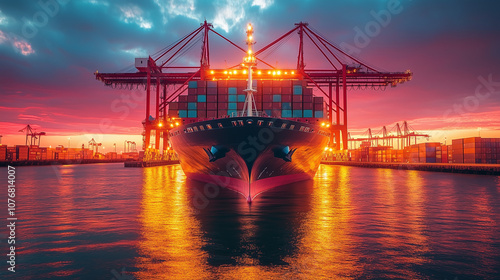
x=403, y=137
x=343, y=72
x=32, y=135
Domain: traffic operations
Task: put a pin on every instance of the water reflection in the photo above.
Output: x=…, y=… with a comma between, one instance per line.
x=171, y=240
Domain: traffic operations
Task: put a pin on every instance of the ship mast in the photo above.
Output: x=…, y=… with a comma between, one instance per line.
x=249, y=62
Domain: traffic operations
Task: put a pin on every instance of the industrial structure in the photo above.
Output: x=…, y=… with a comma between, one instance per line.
x=167, y=81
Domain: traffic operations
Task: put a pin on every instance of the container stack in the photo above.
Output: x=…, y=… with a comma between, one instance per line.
x=276, y=98
x=35, y=153
x=3, y=153
x=457, y=146
x=22, y=152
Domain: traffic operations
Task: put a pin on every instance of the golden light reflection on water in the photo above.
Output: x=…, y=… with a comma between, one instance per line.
x=346, y=226
x=325, y=248
x=171, y=241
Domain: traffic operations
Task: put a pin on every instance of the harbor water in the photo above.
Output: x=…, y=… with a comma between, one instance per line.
x=104, y=221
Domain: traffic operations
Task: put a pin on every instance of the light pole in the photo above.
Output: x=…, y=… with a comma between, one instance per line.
x=69, y=142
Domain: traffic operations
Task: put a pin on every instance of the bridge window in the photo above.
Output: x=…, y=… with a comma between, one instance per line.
x=270, y=123
x=209, y=126
x=260, y=122
x=202, y=128
x=307, y=129
x=233, y=123
x=301, y=128
x=195, y=128
x=189, y=129
x=283, y=126
x=220, y=125
x=240, y=122
x=292, y=127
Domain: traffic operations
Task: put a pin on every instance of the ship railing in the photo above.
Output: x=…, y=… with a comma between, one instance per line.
x=244, y=114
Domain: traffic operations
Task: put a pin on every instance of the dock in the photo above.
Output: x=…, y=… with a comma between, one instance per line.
x=150, y=163
x=480, y=169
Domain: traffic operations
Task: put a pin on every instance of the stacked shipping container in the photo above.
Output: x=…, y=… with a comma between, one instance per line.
x=276, y=98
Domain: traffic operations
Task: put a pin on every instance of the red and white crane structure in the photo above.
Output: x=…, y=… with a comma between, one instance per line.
x=343, y=71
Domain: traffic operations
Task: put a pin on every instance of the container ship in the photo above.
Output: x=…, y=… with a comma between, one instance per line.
x=249, y=135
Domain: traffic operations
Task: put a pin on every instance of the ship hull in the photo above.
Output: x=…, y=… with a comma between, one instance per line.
x=249, y=154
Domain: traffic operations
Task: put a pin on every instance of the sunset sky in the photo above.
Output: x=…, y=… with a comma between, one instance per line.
x=49, y=53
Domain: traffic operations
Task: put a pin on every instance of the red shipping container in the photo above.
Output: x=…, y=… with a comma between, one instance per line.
x=183, y=98
x=307, y=106
x=286, y=90
x=222, y=90
x=267, y=106
x=276, y=105
x=221, y=113
x=318, y=100
x=202, y=84
x=211, y=114
x=307, y=99
x=240, y=105
x=242, y=84
x=211, y=106
x=173, y=106
x=308, y=92
x=192, y=98
x=318, y=107
x=211, y=98
x=276, y=90
x=202, y=114
x=286, y=98
x=276, y=83
x=267, y=91
x=222, y=98
x=297, y=106
x=232, y=83
x=222, y=84
x=267, y=98
x=222, y=106
x=297, y=98
x=192, y=91
x=183, y=106
x=202, y=91
x=201, y=105
x=211, y=91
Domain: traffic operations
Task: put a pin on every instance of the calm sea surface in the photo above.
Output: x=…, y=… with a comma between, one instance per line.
x=104, y=221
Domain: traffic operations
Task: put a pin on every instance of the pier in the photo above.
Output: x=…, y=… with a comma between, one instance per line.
x=150, y=163
x=480, y=169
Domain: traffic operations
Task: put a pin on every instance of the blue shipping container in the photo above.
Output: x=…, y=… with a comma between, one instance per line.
x=297, y=113
x=286, y=113
x=232, y=106
x=286, y=106
x=232, y=98
x=297, y=90
x=276, y=98
x=202, y=98
x=191, y=105
x=318, y=114
x=232, y=90
x=308, y=113
x=241, y=98
x=183, y=113
x=192, y=114
x=193, y=84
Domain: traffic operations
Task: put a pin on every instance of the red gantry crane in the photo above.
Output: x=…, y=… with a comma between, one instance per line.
x=343, y=71
x=32, y=135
